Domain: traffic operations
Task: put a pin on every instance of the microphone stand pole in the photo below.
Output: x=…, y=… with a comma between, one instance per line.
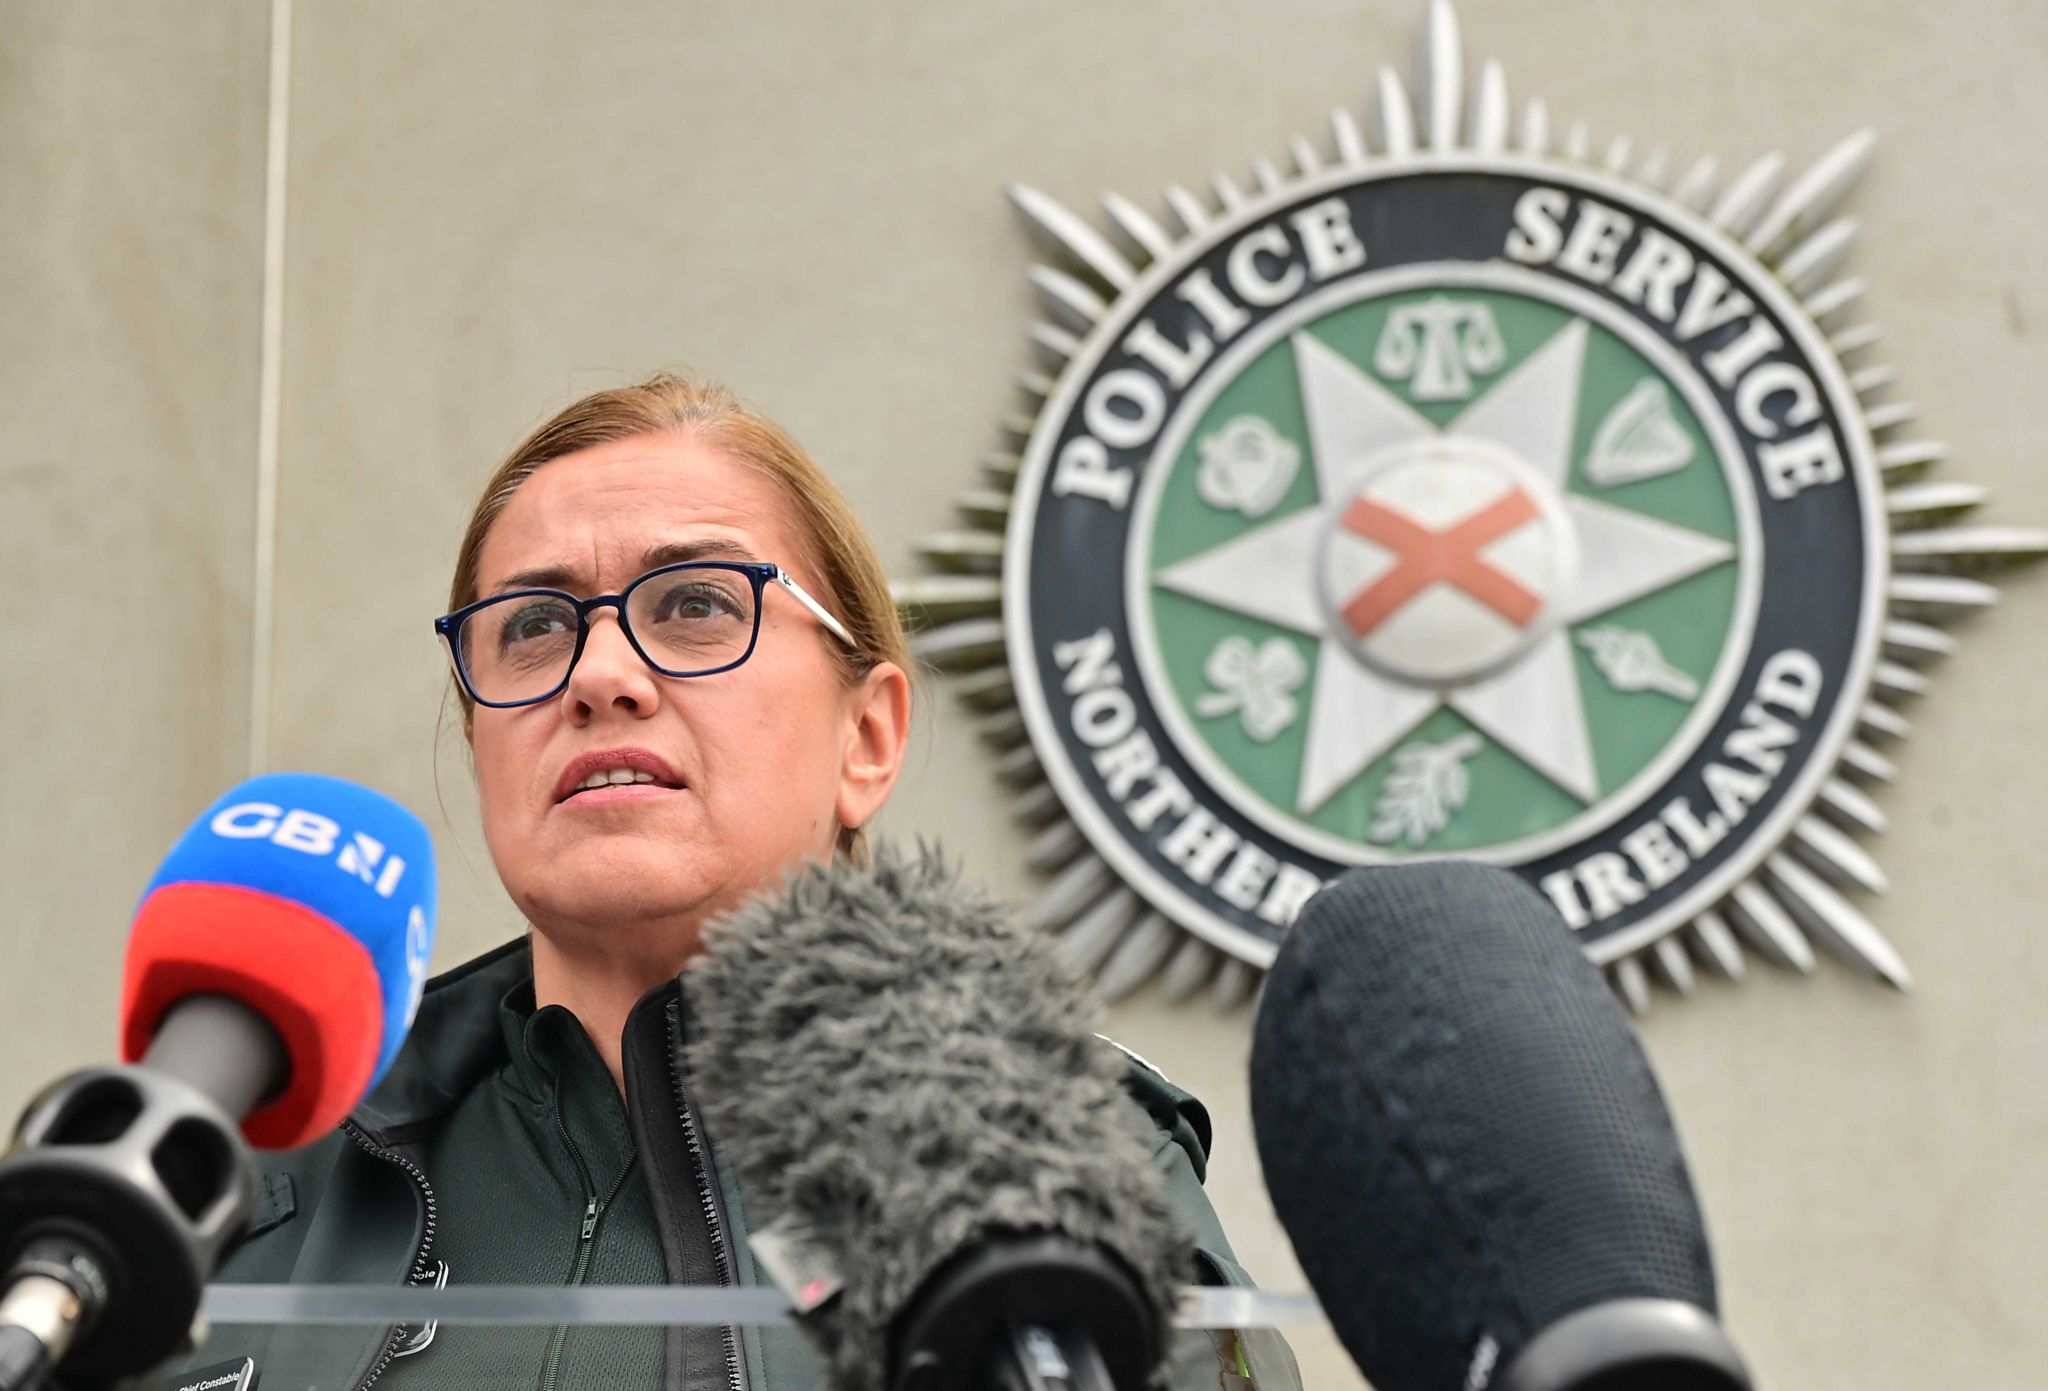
x=124, y=1190
x=1028, y=1312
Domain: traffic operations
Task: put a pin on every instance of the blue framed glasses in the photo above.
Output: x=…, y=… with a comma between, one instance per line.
x=696, y=618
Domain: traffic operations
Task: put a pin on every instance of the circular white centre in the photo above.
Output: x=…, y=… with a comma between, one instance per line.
x=1446, y=561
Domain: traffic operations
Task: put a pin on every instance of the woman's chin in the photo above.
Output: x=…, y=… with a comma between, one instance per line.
x=619, y=884
x=585, y=875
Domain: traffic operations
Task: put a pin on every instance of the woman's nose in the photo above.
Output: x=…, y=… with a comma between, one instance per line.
x=609, y=675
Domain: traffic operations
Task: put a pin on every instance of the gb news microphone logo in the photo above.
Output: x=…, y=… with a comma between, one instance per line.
x=1472, y=491
x=354, y=853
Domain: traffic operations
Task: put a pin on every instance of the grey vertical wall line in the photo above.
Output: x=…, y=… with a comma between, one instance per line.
x=270, y=386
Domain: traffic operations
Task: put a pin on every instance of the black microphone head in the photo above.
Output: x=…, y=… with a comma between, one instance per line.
x=1460, y=1130
x=898, y=1070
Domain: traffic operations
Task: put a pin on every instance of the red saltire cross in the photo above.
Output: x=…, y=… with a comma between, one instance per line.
x=1451, y=555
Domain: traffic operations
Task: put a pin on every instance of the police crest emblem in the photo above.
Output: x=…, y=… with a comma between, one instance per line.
x=1467, y=491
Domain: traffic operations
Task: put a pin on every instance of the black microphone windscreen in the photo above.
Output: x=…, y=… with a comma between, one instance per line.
x=1459, y=1128
x=897, y=1069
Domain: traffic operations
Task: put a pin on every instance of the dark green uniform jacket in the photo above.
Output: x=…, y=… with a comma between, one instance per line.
x=497, y=1151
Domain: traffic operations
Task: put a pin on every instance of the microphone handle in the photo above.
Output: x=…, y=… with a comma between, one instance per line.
x=1038, y=1357
x=53, y=1291
x=222, y=1049
x=128, y=1185
x=1027, y=1311
x=1638, y=1344
x=24, y=1358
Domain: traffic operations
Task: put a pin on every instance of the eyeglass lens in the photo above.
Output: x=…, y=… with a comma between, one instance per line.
x=686, y=621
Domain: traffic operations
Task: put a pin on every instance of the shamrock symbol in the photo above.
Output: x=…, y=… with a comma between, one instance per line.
x=1257, y=682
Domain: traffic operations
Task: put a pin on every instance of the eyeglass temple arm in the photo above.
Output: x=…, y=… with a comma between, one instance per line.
x=817, y=609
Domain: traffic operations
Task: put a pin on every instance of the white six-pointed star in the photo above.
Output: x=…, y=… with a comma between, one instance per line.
x=1444, y=566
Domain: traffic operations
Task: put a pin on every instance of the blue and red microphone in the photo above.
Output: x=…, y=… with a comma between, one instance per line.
x=273, y=969
x=311, y=901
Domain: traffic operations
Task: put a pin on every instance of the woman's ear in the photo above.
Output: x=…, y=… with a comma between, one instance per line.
x=877, y=732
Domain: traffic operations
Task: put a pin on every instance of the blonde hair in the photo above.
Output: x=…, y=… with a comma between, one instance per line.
x=849, y=573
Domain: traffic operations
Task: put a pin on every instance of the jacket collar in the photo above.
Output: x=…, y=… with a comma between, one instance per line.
x=455, y=1041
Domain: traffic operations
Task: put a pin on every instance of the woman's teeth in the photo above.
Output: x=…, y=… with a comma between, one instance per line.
x=614, y=777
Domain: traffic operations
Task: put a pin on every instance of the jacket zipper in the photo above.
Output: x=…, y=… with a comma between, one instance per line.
x=420, y=1273
x=594, y=1208
x=701, y=1162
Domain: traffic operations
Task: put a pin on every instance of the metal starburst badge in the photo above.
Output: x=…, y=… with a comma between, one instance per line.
x=1464, y=491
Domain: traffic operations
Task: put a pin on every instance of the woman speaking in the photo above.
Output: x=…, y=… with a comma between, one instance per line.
x=682, y=678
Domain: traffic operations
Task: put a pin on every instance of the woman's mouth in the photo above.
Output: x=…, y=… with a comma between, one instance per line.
x=610, y=776
x=611, y=794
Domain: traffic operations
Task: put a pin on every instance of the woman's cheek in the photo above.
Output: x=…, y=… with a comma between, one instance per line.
x=774, y=765
x=509, y=805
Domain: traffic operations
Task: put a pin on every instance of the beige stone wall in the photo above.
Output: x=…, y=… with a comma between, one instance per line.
x=493, y=207
x=131, y=236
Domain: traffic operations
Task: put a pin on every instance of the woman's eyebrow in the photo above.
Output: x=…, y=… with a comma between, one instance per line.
x=673, y=553
x=710, y=548
x=546, y=577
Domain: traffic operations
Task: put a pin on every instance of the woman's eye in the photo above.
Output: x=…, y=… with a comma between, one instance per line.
x=695, y=603
x=537, y=621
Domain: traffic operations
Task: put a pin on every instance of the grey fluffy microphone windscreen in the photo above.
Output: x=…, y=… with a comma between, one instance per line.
x=1464, y=1141
x=900, y=1073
